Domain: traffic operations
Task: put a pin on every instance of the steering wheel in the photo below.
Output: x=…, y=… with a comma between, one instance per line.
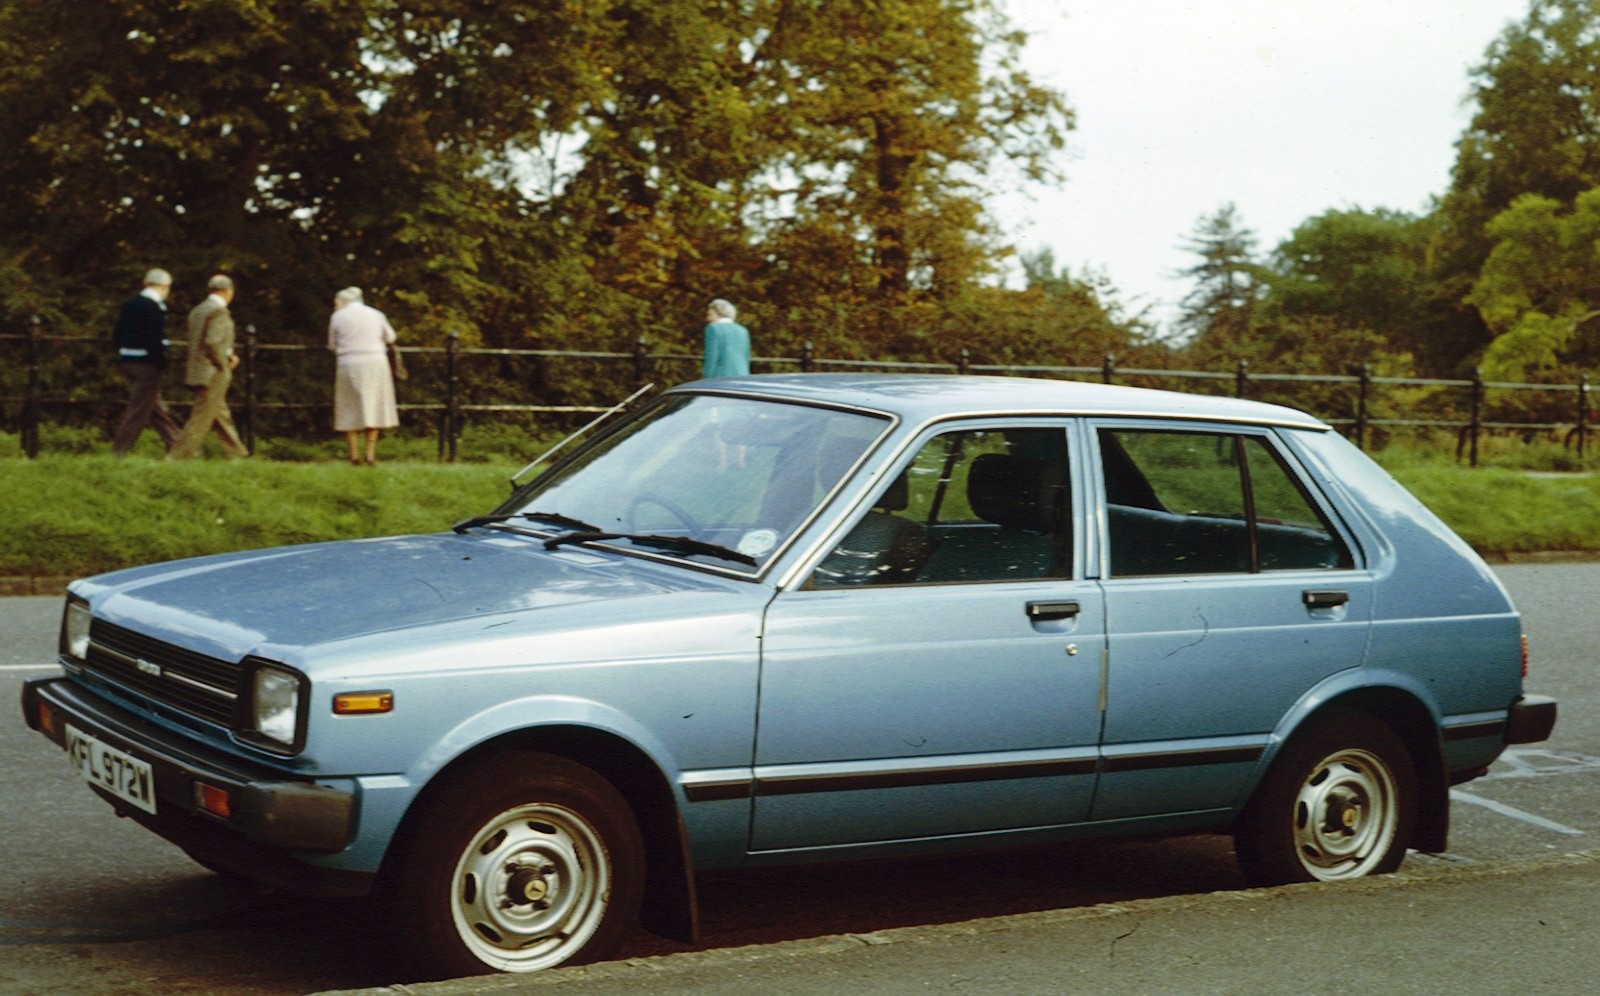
x=691, y=526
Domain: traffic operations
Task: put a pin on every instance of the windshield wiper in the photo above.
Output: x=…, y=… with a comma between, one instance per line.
x=682, y=544
x=564, y=521
x=553, y=518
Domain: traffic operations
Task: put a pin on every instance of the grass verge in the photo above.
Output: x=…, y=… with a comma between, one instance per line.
x=76, y=515
x=72, y=514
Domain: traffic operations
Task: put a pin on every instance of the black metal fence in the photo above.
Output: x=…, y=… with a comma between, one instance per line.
x=1359, y=403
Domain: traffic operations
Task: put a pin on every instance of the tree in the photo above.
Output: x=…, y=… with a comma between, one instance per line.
x=1220, y=311
x=1077, y=318
x=554, y=172
x=1359, y=270
x=1537, y=124
x=1539, y=289
x=131, y=134
x=1536, y=130
x=890, y=112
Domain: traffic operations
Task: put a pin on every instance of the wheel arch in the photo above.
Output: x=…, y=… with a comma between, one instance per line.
x=670, y=908
x=1415, y=724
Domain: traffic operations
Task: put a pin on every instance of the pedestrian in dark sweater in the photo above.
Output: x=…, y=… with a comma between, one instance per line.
x=141, y=341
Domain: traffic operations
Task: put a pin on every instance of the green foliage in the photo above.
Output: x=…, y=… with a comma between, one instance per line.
x=1075, y=319
x=1535, y=130
x=1359, y=270
x=564, y=173
x=1538, y=288
x=1537, y=125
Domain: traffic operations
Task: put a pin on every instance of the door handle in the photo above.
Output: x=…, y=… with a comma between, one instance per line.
x=1324, y=598
x=1046, y=611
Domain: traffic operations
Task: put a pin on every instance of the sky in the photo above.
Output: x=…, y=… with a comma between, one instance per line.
x=1285, y=109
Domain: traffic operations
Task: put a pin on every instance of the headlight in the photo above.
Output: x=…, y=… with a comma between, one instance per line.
x=276, y=697
x=75, y=630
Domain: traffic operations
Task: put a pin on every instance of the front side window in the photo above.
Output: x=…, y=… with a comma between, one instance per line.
x=1209, y=503
x=717, y=480
x=972, y=505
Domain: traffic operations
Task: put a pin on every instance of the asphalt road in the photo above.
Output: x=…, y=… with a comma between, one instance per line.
x=94, y=905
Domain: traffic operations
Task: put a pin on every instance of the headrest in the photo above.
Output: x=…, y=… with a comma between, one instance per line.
x=1009, y=490
x=896, y=497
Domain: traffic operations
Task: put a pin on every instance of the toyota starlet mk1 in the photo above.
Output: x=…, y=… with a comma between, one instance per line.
x=810, y=618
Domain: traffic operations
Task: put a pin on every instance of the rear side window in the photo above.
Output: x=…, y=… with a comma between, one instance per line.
x=1209, y=503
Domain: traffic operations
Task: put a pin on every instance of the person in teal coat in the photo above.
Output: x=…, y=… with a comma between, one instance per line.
x=727, y=343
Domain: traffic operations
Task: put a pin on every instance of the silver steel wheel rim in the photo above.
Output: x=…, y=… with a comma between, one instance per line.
x=531, y=888
x=1345, y=816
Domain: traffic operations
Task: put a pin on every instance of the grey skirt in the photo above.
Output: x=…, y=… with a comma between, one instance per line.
x=363, y=394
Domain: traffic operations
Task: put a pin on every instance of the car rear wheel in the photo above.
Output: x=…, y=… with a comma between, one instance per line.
x=527, y=862
x=1339, y=803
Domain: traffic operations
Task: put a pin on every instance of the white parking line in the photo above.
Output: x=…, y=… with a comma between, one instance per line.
x=1538, y=762
x=27, y=667
x=1514, y=813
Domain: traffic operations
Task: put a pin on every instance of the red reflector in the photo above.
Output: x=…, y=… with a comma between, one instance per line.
x=212, y=799
x=47, y=719
x=1524, y=655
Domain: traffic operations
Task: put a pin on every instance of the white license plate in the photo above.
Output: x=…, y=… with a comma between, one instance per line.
x=127, y=778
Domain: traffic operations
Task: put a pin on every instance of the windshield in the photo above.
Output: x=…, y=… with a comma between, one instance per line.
x=706, y=478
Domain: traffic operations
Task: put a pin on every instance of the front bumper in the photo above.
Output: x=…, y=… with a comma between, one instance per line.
x=1531, y=719
x=269, y=817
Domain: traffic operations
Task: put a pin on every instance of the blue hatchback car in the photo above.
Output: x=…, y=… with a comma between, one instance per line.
x=808, y=618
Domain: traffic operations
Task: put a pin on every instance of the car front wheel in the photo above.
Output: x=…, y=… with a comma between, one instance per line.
x=1339, y=803
x=528, y=862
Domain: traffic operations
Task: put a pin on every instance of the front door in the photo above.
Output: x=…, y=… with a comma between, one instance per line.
x=940, y=672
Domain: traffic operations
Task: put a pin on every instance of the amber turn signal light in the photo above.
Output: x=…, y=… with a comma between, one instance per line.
x=362, y=703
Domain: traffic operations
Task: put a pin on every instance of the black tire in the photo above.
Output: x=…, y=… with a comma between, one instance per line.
x=525, y=862
x=1340, y=802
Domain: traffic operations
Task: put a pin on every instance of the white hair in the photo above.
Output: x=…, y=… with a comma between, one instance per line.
x=723, y=309
x=349, y=295
x=158, y=278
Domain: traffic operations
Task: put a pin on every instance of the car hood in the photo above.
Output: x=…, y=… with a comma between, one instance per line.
x=236, y=604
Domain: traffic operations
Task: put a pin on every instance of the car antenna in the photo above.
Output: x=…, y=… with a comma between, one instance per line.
x=547, y=454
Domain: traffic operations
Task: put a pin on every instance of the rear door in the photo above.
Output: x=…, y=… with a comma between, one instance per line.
x=1230, y=589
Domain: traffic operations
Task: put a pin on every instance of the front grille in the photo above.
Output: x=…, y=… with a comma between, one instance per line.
x=201, y=686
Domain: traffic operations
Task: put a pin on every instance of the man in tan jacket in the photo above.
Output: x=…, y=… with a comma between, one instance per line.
x=210, y=371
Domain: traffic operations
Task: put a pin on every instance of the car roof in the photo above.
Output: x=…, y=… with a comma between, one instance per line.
x=920, y=398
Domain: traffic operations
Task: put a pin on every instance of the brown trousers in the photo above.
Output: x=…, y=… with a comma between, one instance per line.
x=210, y=409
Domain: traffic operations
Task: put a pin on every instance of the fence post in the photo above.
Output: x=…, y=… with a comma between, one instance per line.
x=1108, y=369
x=641, y=362
x=1476, y=424
x=30, y=398
x=1241, y=378
x=451, y=430
x=250, y=389
x=1583, y=412
x=808, y=356
x=1363, y=391
x=963, y=361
